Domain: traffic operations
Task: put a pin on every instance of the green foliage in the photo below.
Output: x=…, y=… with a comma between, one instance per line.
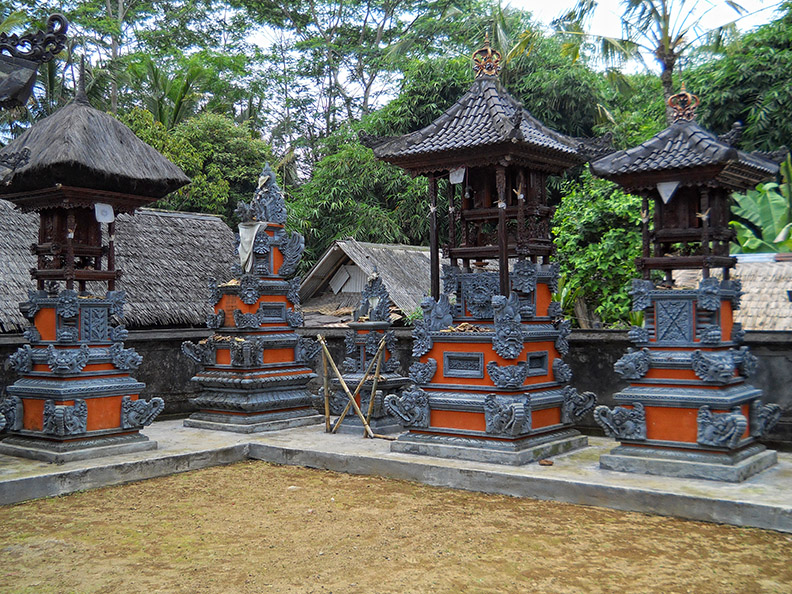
x=597, y=232
x=566, y=295
x=764, y=216
x=633, y=109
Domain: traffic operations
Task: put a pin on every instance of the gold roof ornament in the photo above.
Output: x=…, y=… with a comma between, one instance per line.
x=486, y=61
x=684, y=105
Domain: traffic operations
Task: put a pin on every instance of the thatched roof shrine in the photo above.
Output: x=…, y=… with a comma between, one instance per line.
x=81, y=147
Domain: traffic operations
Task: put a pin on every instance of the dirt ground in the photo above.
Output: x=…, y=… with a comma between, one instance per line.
x=256, y=527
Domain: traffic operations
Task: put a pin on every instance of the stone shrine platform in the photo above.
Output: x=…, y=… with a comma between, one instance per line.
x=763, y=501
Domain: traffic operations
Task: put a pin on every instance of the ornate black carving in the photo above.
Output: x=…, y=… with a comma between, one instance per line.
x=735, y=286
x=523, y=276
x=246, y=352
x=118, y=334
x=763, y=418
x=508, y=338
x=32, y=335
x=351, y=365
x=508, y=376
x=64, y=420
x=292, y=247
x=41, y=46
x=117, y=301
x=68, y=304
x=720, y=429
x=22, y=360
x=350, y=342
x=422, y=339
x=214, y=294
x=422, y=373
x=554, y=310
x=11, y=408
x=561, y=371
x=125, y=358
x=139, y=413
x=478, y=289
x=217, y=320
x=746, y=361
x=576, y=405
x=293, y=294
x=709, y=294
x=463, y=364
x=249, y=289
x=371, y=343
x=713, y=367
x=638, y=334
x=437, y=314
x=203, y=352
x=564, y=328
x=393, y=363
x=374, y=301
x=641, y=294
x=268, y=204
x=621, y=422
x=633, y=364
x=411, y=407
x=30, y=307
x=450, y=279
x=65, y=361
x=674, y=322
x=506, y=416
x=738, y=334
x=555, y=276
x=307, y=349
x=69, y=334
x=247, y=321
x=710, y=334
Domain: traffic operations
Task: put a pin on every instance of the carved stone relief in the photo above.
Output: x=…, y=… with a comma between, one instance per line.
x=561, y=371
x=709, y=294
x=437, y=314
x=411, y=407
x=576, y=405
x=763, y=418
x=422, y=373
x=12, y=409
x=621, y=422
x=139, y=413
x=65, y=361
x=63, y=419
x=713, y=367
x=508, y=376
x=508, y=338
x=505, y=416
x=633, y=364
x=720, y=429
x=125, y=358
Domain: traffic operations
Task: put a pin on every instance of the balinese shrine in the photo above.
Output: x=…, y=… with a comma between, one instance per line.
x=255, y=375
x=489, y=379
x=76, y=398
x=688, y=410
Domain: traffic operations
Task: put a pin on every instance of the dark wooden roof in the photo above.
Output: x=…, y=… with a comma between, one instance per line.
x=83, y=147
x=485, y=126
x=688, y=153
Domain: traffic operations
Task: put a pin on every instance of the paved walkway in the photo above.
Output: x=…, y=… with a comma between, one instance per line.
x=763, y=501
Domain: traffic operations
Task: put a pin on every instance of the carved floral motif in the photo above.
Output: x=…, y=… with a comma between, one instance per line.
x=411, y=407
x=215, y=321
x=63, y=419
x=292, y=247
x=576, y=405
x=621, y=422
x=523, y=276
x=638, y=334
x=22, y=360
x=12, y=410
x=68, y=304
x=508, y=338
x=422, y=339
x=564, y=328
x=125, y=358
x=562, y=372
x=746, y=361
x=139, y=413
x=641, y=294
x=763, y=418
x=709, y=294
x=65, y=361
x=374, y=301
x=508, y=376
x=249, y=289
x=720, y=429
x=506, y=416
x=634, y=364
x=422, y=373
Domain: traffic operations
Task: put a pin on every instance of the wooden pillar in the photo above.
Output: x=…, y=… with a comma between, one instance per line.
x=111, y=254
x=71, y=224
x=705, y=230
x=452, y=242
x=503, y=236
x=434, y=250
x=645, y=232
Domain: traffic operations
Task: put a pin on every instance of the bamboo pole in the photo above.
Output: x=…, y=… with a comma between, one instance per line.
x=359, y=387
x=374, y=384
x=326, y=381
x=369, y=432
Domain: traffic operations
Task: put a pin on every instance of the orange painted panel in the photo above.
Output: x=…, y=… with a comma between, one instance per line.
x=455, y=419
x=277, y=259
x=678, y=374
x=33, y=414
x=105, y=413
x=543, y=298
x=545, y=417
x=44, y=321
x=278, y=355
x=727, y=320
x=671, y=424
x=223, y=357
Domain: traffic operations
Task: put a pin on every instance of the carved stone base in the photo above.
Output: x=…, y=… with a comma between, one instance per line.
x=733, y=467
x=383, y=425
x=513, y=452
x=254, y=423
x=59, y=452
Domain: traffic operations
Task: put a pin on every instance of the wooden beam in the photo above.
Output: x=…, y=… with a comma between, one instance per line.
x=434, y=248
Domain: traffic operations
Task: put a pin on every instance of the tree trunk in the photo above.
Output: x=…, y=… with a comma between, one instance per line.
x=668, y=60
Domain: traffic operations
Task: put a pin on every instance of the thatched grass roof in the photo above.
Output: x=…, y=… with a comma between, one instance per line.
x=166, y=258
x=766, y=283
x=84, y=147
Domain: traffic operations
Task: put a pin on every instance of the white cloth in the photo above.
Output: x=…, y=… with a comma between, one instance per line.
x=247, y=235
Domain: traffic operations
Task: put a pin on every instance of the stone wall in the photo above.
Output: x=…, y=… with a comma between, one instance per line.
x=166, y=370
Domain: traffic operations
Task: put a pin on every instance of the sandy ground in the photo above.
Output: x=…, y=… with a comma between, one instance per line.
x=256, y=527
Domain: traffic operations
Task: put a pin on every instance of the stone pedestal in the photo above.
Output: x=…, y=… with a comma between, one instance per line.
x=688, y=410
x=76, y=399
x=491, y=384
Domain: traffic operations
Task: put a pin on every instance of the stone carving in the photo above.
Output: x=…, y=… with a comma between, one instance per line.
x=638, y=334
x=215, y=321
x=306, y=350
x=246, y=320
x=720, y=429
x=214, y=292
x=236, y=270
x=249, y=289
x=94, y=324
x=713, y=367
x=564, y=328
x=203, y=352
x=763, y=417
x=411, y=407
x=710, y=334
x=554, y=310
x=139, y=413
x=63, y=419
x=118, y=334
x=561, y=371
x=523, y=276
x=735, y=286
x=738, y=334
x=374, y=300
x=392, y=364
x=292, y=247
x=125, y=358
x=508, y=376
x=68, y=305
x=505, y=416
x=293, y=293
x=246, y=352
x=351, y=365
x=12, y=410
x=621, y=422
x=508, y=338
x=68, y=334
x=576, y=405
x=371, y=343
x=746, y=361
x=268, y=203
x=422, y=339
x=422, y=373
x=437, y=314
x=350, y=341
x=674, y=321
x=555, y=276
x=709, y=294
x=22, y=360
x=117, y=301
x=65, y=361
x=261, y=243
x=30, y=307
x=450, y=276
x=32, y=335
x=478, y=289
x=633, y=364
x=641, y=294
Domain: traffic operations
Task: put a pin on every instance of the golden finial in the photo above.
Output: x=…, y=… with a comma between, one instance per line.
x=684, y=105
x=486, y=61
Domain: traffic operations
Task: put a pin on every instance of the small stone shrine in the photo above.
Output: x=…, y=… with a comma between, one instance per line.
x=372, y=323
x=490, y=383
x=255, y=375
x=688, y=410
x=76, y=398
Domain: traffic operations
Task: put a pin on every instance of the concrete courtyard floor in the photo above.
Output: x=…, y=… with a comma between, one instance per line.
x=763, y=501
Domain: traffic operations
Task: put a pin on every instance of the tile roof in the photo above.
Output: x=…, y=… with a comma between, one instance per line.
x=685, y=145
